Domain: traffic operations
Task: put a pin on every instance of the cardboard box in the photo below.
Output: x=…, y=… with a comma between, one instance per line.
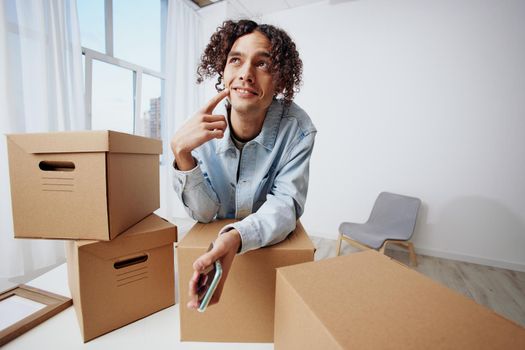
x=246, y=307
x=82, y=185
x=117, y=282
x=368, y=301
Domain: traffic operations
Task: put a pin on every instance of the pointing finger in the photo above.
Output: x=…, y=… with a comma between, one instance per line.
x=210, y=106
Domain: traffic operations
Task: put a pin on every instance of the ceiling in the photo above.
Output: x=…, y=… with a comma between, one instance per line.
x=257, y=8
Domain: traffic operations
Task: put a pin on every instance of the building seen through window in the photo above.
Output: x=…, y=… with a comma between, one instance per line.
x=151, y=120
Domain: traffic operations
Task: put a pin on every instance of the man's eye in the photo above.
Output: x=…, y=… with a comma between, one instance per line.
x=234, y=60
x=263, y=65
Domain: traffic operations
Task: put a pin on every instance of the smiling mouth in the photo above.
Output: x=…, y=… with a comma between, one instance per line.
x=245, y=91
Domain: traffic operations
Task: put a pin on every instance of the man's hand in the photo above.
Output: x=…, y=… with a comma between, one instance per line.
x=224, y=249
x=199, y=129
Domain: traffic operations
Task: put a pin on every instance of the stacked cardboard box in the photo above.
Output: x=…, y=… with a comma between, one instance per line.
x=82, y=185
x=117, y=282
x=101, y=187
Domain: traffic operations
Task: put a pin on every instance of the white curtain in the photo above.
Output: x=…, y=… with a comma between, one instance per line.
x=41, y=89
x=183, y=96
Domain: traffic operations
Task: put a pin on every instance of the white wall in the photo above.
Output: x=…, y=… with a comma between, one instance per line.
x=424, y=98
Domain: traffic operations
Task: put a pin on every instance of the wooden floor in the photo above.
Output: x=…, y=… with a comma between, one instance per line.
x=499, y=289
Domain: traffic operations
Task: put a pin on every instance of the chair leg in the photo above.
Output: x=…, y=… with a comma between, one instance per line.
x=383, y=247
x=412, y=253
x=338, y=251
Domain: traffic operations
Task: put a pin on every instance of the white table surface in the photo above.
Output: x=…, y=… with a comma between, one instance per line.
x=158, y=331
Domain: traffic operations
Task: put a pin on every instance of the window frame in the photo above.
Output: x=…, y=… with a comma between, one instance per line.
x=138, y=70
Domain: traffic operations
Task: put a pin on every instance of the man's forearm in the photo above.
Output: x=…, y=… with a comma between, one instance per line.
x=277, y=217
x=269, y=225
x=198, y=198
x=184, y=160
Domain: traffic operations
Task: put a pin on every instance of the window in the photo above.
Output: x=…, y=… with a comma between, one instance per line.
x=150, y=112
x=91, y=22
x=122, y=44
x=112, y=98
x=136, y=31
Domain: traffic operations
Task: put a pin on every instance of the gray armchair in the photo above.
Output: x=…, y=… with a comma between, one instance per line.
x=392, y=220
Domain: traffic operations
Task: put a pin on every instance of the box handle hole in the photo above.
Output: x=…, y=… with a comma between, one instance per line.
x=49, y=165
x=131, y=261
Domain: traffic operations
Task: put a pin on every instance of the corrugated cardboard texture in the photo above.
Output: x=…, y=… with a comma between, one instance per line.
x=296, y=326
x=107, y=296
x=103, y=195
x=133, y=181
x=73, y=279
x=245, y=311
x=367, y=301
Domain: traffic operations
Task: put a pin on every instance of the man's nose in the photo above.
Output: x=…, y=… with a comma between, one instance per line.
x=246, y=73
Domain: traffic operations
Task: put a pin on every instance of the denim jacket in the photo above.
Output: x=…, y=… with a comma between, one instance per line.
x=269, y=193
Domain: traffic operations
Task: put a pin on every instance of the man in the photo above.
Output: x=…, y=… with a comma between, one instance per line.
x=252, y=164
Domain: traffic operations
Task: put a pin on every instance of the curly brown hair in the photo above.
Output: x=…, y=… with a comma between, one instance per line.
x=285, y=65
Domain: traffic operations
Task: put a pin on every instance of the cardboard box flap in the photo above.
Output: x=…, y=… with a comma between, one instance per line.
x=149, y=233
x=368, y=293
x=206, y=233
x=85, y=141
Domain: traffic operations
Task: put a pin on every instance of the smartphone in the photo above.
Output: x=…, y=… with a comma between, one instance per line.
x=208, y=281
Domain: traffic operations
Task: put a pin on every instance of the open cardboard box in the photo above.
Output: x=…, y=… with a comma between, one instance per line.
x=117, y=282
x=82, y=185
x=245, y=311
x=368, y=301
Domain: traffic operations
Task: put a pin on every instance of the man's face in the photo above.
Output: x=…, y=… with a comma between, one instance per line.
x=247, y=74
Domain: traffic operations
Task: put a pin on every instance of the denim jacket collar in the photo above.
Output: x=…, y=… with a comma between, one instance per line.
x=225, y=143
x=266, y=137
